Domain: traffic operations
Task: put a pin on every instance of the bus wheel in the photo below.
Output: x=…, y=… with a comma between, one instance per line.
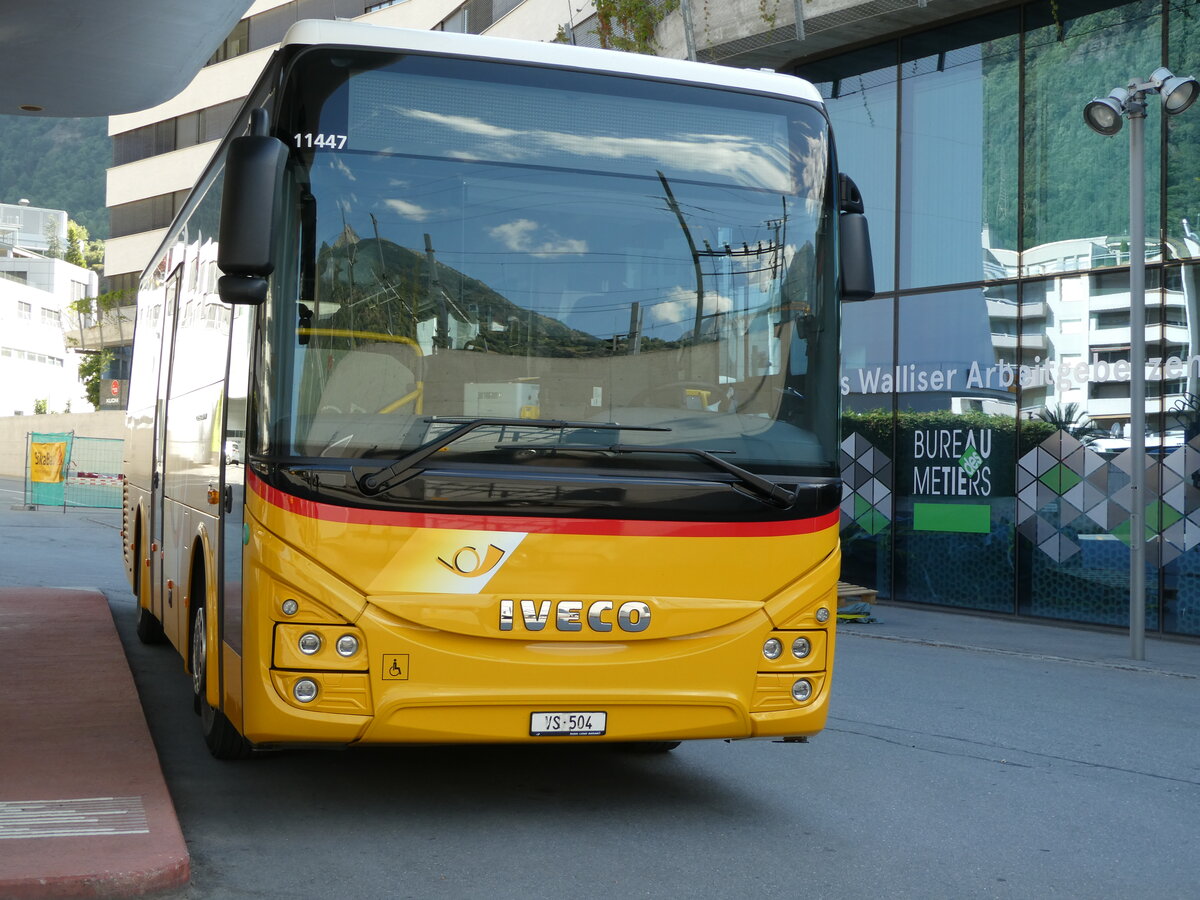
x=220, y=735
x=149, y=629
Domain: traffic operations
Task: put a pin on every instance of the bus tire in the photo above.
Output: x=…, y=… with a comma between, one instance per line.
x=149, y=628
x=222, y=738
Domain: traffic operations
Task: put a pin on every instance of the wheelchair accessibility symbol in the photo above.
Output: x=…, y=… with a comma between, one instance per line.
x=395, y=667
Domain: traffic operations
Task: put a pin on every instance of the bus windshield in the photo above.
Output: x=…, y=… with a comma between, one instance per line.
x=477, y=240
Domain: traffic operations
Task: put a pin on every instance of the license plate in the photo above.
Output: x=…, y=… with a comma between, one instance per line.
x=543, y=724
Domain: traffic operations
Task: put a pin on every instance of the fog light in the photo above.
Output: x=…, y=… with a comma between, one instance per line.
x=309, y=643
x=802, y=690
x=772, y=648
x=822, y=615
x=801, y=647
x=305, y=690
x=290, y=607
x=347, y=645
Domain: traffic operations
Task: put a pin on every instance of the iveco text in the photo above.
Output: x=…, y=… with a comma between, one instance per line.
x=633, y=615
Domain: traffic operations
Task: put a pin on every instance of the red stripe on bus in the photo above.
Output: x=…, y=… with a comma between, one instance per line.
x=328, y=512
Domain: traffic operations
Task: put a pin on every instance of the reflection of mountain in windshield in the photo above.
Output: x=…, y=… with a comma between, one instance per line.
x=377, y=286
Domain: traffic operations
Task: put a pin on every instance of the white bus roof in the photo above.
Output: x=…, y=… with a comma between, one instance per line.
x=356, y=34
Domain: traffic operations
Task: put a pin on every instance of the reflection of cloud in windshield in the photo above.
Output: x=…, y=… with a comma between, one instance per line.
x=344, y=169
x=680, y=307
x=749, y=161
x=814, y=169
x=712, y=153
x=465, y=124
x=521, y=236
x=407, y=210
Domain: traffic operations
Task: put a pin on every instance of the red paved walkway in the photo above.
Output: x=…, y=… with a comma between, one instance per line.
x=84, y=810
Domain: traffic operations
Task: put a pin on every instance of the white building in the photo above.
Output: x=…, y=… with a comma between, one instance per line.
x=37, y=364
x=1075, y=334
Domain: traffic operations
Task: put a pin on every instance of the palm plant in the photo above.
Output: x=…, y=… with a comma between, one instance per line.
x=1073, y=420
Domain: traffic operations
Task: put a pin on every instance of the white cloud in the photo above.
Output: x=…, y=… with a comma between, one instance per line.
x=465, y=124
x=748, y=160
x=522, y=236
x=680, y=306
x=340, y=165
x=407, y=210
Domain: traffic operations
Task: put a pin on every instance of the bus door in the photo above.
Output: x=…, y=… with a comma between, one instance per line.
x=158, y=578
x=233, y=493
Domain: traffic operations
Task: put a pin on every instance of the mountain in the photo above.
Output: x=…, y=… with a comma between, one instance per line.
x=385, y=287
x=57, y=164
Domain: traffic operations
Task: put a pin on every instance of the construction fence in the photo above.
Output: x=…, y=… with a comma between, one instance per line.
x=63, y=469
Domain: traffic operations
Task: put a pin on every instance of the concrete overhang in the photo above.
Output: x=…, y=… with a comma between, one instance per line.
x=76, y=58
x=834, y=25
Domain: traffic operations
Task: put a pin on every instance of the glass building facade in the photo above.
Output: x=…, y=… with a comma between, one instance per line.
x=986, y=388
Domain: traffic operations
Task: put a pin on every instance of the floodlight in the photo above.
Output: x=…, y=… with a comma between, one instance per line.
x=1178, y=92
x=1103, y=115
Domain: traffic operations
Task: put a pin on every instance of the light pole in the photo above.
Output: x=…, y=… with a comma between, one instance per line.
x=1104, y=117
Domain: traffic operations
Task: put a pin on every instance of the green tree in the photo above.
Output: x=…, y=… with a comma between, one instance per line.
x=104, y=309
x=1072, y=419
x=54, y=245
x=81, y=250
x=630, y=24
x=94, y=362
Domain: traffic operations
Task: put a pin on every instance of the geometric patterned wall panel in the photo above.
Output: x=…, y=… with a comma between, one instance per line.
x=1057, y=482
x=1062, y=479
x=866, y=485
x=1178, y=516
x=1154, y=513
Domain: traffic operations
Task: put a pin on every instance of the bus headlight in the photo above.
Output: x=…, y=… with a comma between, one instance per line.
x=801, y=690
x=822, y=615
x=305, y=690
x=772, y=648
x=347, y=645
x=309, y=643
x=290, y=607
x=801, y=647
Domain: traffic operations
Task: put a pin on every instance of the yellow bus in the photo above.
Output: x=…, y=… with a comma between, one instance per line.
x=487, y=391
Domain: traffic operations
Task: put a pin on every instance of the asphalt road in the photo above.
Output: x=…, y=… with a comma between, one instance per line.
x=945, y=773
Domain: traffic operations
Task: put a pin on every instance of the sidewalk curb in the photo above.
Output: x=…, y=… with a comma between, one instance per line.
x=84, y=806
x=174, y=873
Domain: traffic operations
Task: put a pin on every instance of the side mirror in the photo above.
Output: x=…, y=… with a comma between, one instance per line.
x=254, y=168
x=854, y=237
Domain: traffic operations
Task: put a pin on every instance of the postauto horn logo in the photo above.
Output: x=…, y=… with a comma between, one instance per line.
x=469, y=562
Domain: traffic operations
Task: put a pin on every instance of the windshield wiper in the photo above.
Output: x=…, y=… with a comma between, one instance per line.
x=747, y=482
x=409, y=465
x=754, y=485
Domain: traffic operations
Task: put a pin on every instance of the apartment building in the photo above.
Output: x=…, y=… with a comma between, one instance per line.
x=38, y=362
